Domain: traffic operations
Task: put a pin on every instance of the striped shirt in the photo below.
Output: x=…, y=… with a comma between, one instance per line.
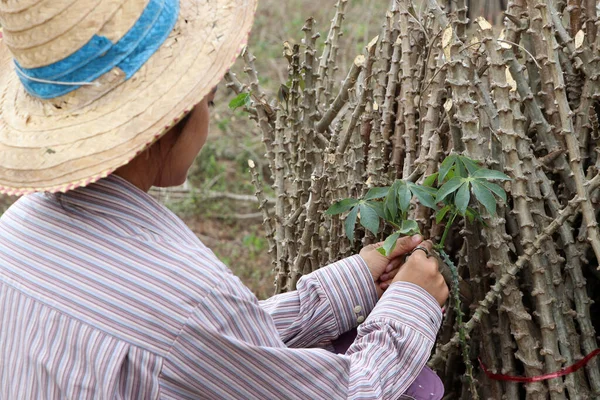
x=105, y=294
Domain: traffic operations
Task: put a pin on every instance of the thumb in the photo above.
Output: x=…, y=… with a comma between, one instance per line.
x=405, y=245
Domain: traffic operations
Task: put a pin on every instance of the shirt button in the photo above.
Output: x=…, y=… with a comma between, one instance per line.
x=357, y=309
x=360, y=319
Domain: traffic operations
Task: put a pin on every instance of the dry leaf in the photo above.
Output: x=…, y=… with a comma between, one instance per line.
x=504, y=45
x=360, y=61
x=579, y=39
x=287, y=51
x=483, y=23
x=447, y=41
x=510, y=80
x=373, y=42
x=251, y=164
x=448, y=105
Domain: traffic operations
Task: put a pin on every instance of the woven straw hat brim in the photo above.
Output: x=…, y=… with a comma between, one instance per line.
x=81, y=137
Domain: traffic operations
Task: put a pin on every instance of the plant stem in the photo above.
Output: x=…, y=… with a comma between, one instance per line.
x=440, y=246
x=459, y=317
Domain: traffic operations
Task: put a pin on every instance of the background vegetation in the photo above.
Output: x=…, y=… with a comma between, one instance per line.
x=233, y=228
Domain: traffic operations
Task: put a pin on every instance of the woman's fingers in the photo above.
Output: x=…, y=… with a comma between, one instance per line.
x=394, y=264
x=405, y=245
x=388, y=276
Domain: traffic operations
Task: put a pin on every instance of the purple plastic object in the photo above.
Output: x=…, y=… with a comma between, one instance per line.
x=427, y=386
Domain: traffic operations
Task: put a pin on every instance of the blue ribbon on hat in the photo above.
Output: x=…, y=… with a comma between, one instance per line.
x=100, y=55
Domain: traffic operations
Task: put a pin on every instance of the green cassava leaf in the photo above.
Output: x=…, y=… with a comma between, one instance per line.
x=490, y=174
x=460, y=169
x=430, y=190
x=449, y=187
x=378, y=207
x=377, y=193
x=425, y=195
x=439, y=216
x=446, y=166
x=240, y=100
x=302, y=84
x=463, y=195
x=496, y=189
x=391, y=201
x=341, y=206
x=390, y=244
x=430, y=180
x=469, y=164
x=485, y=197
x=470, y=214
x=369, y=218
x=404, y=196
x=350, y=223
x=473, y=215
x=409, y=228
x=283, y=94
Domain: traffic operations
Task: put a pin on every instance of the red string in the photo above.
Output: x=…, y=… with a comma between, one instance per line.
x=529, y=379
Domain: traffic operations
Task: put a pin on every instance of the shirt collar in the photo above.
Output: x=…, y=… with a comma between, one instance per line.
x=118, y=198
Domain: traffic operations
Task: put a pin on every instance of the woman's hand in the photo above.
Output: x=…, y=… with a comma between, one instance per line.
x=423, y=270
x=384, y=269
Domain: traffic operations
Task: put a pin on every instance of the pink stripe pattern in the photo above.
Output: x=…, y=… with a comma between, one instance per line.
x=106, y=294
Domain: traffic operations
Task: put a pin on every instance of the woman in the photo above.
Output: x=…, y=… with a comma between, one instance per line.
x=106, y=294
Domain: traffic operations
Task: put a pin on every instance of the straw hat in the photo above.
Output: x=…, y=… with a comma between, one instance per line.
x=105, y=79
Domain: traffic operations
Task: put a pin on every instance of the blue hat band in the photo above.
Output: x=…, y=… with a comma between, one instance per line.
x=100, y=55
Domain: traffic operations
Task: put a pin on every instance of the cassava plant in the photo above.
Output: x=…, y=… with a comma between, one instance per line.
x=442, y=91
x=459, y=177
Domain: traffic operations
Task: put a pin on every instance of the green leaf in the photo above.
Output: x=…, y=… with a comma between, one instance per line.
x=240, y=100
x=302, y=84
x=439, y=216
x=424, y=196
x=449, y=187
x=470, y=165
x=490, y=174
x=446, y=166
x=409, y=228
x=378, y=207
x=463, y=195
x=430, y=190
x=283, y=94
x=391, y=203
x=341, y=206
x=390, y=244
x=430, y=180
x=470, y=214
x=496, y=189
x=377, y=193
x=485, y=197
x=369, y=218
x=460, y=169
x=404, y=196
x=350, y=223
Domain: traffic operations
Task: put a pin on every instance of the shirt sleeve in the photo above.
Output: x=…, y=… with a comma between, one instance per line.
x=230, y=348
x=327, y=303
